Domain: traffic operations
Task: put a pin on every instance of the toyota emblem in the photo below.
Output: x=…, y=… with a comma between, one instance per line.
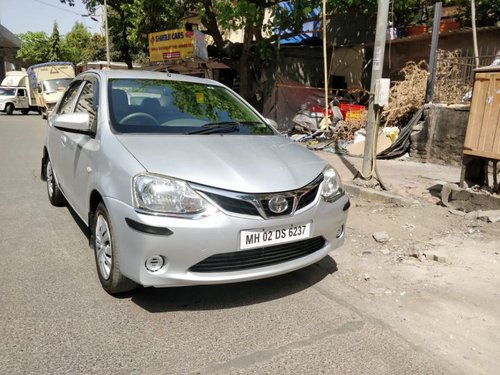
x=278, y=204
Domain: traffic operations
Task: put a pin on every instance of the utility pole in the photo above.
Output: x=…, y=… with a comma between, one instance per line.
x=377, y=67
x=474, y=32
x=429, y=91
x=325, y=66
x=106, y=31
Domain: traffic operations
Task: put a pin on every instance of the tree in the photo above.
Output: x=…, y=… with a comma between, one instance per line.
x=54, y=44
x=487, y=12
x=130, y=21
x=257, y=50
x=95, y=50
x=75, y=44
x=34, y=49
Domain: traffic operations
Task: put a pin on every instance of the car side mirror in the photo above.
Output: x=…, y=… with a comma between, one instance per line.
x=74, y=123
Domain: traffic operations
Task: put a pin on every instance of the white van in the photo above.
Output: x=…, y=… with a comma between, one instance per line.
x=15, y=94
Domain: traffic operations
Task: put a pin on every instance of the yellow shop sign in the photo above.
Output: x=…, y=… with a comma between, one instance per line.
x=170, y=45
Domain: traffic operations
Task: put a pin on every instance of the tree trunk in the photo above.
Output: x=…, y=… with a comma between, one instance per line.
x=212, y=25
x=245, y=64
x=124, y=46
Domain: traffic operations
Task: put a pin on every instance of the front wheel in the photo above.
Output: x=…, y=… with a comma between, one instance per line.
x=9, y=108
x=106, y=252
x=56, y=197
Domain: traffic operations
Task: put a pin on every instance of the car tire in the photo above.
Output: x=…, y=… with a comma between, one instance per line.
x=9, y=108
x=56, y=197
x=25, y=111
x=105, y=251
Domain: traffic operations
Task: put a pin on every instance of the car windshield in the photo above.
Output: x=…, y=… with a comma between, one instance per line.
x=53, y=85
x=177, y=107
x=7, y=91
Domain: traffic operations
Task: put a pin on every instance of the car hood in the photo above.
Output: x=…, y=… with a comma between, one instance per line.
x=244, y=163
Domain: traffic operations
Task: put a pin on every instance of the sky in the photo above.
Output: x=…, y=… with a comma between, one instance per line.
x=21, y=16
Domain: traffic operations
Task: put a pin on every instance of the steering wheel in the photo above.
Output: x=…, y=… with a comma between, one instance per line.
x=149, y=120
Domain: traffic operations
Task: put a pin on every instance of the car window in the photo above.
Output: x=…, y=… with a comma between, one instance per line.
x=178, y=107
x=68, y=99
x=21, y=92
x=87, y=102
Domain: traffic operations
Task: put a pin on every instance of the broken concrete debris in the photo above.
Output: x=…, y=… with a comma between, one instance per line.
x=416, y=253
x=385, y=251
x=471, y=204
x=381, y=237
x=491, y=216
x=439, y=257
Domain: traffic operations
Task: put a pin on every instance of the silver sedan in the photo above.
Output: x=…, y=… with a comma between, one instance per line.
x=181, y=182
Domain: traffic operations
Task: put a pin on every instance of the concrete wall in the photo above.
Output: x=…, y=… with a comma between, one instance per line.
x=304, y=64
x=417, y=48
x=440, y=137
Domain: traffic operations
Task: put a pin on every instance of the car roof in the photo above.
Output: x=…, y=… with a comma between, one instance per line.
x=145, y=74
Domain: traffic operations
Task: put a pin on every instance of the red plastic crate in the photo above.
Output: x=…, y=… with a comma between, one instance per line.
x=351, y=111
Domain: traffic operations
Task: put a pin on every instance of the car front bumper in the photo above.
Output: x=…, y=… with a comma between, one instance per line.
x=184, y=243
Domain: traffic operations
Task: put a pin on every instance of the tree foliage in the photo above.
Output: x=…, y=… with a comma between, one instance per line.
x=75, y=44
x=131, y=20
x=55, y=44
x=96, y=49
x=34, y=47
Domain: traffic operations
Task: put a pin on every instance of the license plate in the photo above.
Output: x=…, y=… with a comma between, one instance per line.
x=251, y=239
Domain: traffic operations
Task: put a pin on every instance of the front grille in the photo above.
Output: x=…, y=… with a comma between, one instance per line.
x=234, y=205
x=308, y=198
x=258, y=204
x=261, y=257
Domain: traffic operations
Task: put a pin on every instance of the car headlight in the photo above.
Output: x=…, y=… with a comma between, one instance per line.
x=168, y=196
x=331, y=188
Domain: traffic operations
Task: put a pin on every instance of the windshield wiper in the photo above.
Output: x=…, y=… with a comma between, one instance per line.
x=222, y=127
x=215, y=129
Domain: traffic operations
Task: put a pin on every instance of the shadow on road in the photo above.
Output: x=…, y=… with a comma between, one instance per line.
x=350, y=166
x=225, y=296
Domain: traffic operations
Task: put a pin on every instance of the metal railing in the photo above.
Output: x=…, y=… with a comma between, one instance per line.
x=455, y=74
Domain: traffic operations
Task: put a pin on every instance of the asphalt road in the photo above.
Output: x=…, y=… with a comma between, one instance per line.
x=56, y=319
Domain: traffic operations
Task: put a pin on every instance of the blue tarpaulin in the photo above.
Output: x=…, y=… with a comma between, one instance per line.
x=307, y=27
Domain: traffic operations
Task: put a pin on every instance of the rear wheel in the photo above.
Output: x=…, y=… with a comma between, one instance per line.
x=56, y=197
x=106, y=252
x=9, y=108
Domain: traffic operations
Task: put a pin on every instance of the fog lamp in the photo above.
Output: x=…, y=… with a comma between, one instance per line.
x=155, y=263
x=340, y=231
